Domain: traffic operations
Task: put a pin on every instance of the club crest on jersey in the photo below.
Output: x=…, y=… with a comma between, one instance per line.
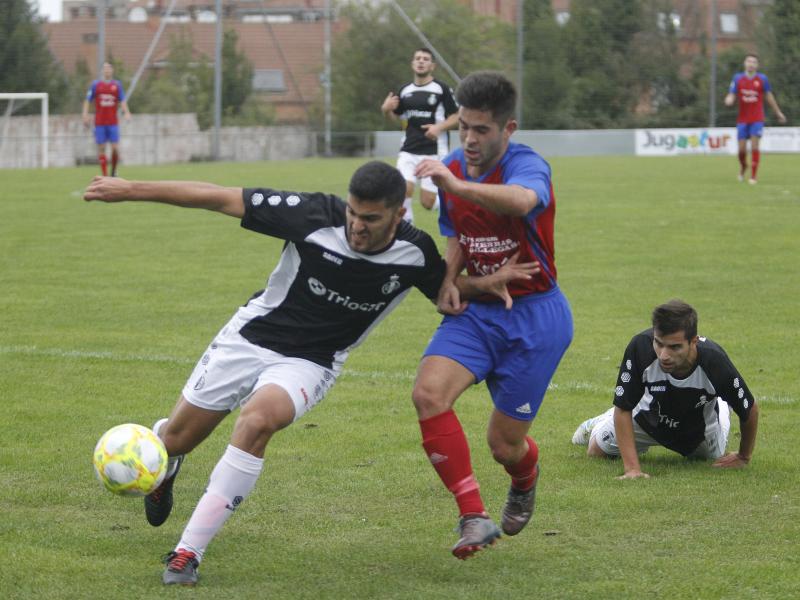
x=432, y=99
x=316, y=286
x=256, y=199
x=390, y=286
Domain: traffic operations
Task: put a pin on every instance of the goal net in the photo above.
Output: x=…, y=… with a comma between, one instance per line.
x=17, y=142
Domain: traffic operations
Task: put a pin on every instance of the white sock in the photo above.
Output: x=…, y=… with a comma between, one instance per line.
x=230, y=483
x=172, y=465
x=408, y=204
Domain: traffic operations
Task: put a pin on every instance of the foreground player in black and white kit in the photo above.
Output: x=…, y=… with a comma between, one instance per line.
x=427, y=108
x=343, y=268
x=674, y=389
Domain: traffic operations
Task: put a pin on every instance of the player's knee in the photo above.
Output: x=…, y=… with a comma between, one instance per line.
x=264, y=420
x=428, y=401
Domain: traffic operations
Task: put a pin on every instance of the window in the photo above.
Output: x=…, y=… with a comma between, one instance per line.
x=75, y=12
x=729, y=23
x=89, y=38
x=562, y=17
x=268, y=80
x=664, y=19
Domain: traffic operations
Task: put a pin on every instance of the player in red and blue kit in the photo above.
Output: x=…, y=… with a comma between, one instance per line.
x=497, y=206
x=107, y=95
x=751, y=87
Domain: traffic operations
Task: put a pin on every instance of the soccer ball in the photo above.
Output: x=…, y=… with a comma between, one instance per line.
x=130, y=460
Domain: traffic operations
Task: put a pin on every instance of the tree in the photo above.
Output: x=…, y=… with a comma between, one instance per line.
x=26, y=64
x=781, y=50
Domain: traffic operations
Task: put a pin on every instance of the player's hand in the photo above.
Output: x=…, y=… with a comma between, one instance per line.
x=781, y=118
x=431, y=131
x=449, y=301
x=87, y=121
x=634, y=474
x=497, y=283
x=108, y=189
x=391, y=102
x=730, y=99
x=732, y=460
x=441, y=176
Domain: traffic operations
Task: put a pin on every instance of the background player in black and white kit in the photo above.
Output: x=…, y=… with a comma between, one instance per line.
x=427, y=108
x=674, y=389
x=344, y=267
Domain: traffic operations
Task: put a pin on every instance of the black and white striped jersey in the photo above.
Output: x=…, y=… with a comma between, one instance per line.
x=323, y=298
x=676, y=412
x=425, y=105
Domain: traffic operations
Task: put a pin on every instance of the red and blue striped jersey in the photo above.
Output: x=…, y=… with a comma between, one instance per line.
x=488, y=239
x=750, y=92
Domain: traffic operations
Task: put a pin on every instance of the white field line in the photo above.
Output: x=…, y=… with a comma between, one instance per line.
x=408, y=376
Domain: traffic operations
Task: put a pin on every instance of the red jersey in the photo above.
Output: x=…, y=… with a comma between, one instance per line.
x=750, y=92
x=488, y=239
x=106, y=95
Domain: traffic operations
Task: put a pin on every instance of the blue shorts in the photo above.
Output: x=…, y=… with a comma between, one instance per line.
x=516, y=351
x=106, y=133
x=744, y=131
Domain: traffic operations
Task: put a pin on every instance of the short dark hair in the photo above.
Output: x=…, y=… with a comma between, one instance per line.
x=488, y=91
x=375, y=180
x=674, y=316
x=754, y=55
x=426, y=51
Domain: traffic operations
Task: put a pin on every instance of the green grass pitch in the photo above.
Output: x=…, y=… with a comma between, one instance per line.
x=104, y=309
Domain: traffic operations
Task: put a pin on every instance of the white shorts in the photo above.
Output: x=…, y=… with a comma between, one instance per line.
x=232, y=369
x=713, y=446
x=407, y=165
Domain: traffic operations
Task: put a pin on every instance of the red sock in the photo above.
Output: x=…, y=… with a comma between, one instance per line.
x=754, y=166
x=743, y=160
x=103, y=163
x=114, y=158
x=446, y=445
x=523, y=474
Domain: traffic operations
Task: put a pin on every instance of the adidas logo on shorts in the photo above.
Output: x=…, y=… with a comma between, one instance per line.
x=525, y=409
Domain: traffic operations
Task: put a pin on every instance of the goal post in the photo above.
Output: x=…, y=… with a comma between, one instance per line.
x=45, y=99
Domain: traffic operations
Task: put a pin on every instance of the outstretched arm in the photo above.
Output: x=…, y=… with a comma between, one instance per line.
x=513, y=200
x=189, y=194
x=746, y=445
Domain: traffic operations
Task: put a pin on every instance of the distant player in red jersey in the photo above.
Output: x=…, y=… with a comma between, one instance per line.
x=751, y=87
x=496, y=206
x=107, y=95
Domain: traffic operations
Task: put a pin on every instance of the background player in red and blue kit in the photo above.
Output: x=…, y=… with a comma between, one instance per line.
x=751, y=87
x=107, y=95
x=497, y=206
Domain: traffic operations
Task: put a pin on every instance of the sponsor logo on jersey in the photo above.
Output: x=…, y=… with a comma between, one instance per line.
x=391, y=285
x=319, y=289
x=293, y=200
x=256, y=199
x=332, y=258
x=274, y=200
x=423, y=114
x=525, y=409
x=658, y=388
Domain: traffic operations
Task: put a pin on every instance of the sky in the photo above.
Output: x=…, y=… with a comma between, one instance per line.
x=49, y=8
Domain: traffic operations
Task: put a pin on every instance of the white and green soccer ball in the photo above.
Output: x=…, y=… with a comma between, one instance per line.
x=130, y=460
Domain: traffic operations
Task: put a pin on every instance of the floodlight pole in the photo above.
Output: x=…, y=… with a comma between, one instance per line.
x=327, y=76
x=101, y=37
x=217, y=82
x=712, y=91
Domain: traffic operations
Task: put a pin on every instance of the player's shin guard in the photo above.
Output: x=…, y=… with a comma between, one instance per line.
x=230, y=483
x=446, y=445
x=754, y=165
x=523, y=474
x=103, y=163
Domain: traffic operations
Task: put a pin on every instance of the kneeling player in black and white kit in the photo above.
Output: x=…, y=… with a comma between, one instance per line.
x=674, y=389
x=343, y=268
